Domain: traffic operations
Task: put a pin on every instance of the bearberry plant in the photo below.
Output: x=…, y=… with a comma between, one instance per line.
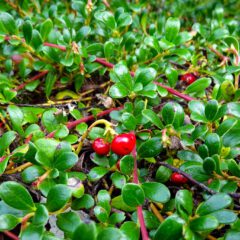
x=119, y=120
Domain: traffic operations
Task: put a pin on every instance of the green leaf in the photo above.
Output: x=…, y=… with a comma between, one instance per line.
x=233, y=167
x=32, y=232
x=118, y=90
x=117, y=217
x=41, y=215
x=211, y=109
x=129, y=121
x=184, y=203
x=198, y=86
x=152, y=42
x=131, y=230
x=133, y=195
x=107, y=18
x=49, y=120
x=172, y=28
x=232, y=235
x=109, y=49
x=145, y=75
x=209, y=165
x=16, y=196
x=47, y=146
x=156, y=192
x=49, y=83
x=232, y=42
x=101, y=214
x=189, y=156
x=65, y=161
x=16, y=116
x=197, y=109
x=229, y=131
x=3, y=164
x=227, y=90
x=163, y=174
x=172, y=76
x=150, y=148
x=170, y=229
x=61, y=131
x=125, y=19
x=8, y=23
x=127, y=164
x=110, y=233
x=36, y=41
x=5, y=141
x=153, y=118
x=150, y=219
x=213, y=143
x=233, y=108
x=96, y=173
x=204, y=224
x=8, y=222
x=225, y=216
x=85, y=202
x=45, y=28
x=68, y=222
x=123, y=76
x=118, y=180
x=214, y=203
x=173, y=113
x=31, y=174
x=27, y=31
x=58, y=197
x=118, y=203
x=86, y=230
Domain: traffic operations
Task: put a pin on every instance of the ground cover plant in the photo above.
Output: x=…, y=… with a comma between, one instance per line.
x=119, y=120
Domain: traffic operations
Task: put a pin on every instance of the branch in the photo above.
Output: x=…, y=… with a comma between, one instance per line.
x=174, y=92
x=39, y=75
x=62, y=48
x=201, y=185
x=11, y=235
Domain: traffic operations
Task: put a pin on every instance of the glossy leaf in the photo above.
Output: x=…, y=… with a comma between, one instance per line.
x=133, y=195
x=16, y=196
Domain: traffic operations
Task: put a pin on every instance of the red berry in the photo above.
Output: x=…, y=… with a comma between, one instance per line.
x=189, y=78
x=178, y=178
x=123, y=144
x=100, y=146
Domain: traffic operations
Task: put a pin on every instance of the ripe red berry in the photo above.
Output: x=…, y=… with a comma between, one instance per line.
x=123, y=144
x=188, y=78
x=100, y=146
x=178, y=178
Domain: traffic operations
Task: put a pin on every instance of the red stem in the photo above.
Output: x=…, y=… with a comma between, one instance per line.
x=34, y=78
x=62, y=48
x=174, y=92
x=104, y=63
x=11, y=235
x=139, y=208
x=142, y=223
x=73, y=124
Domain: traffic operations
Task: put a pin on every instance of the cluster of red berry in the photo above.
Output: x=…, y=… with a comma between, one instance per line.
x=122, y=144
